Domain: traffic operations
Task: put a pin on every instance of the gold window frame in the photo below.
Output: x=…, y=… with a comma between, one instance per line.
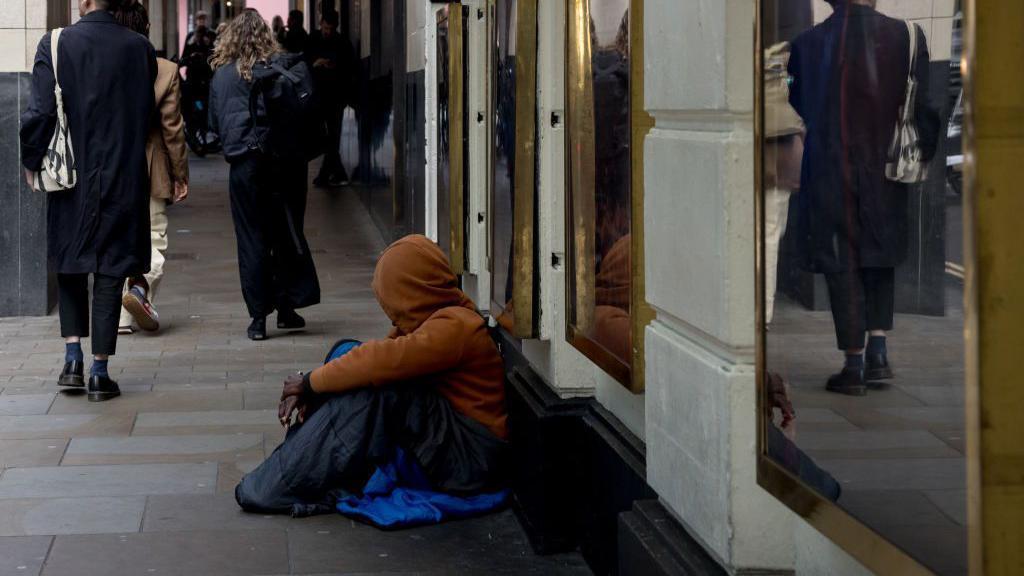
x=993, y=335
x=580, y=175
x=451, y=17
x=524, y=217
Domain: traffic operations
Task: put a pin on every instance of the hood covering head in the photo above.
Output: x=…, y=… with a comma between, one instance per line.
x=413, y=280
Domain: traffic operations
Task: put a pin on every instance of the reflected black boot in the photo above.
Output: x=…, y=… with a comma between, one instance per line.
x=876, y=361
x=850, y=382
x=290, y=320
x=258, y=329
x=876, y=367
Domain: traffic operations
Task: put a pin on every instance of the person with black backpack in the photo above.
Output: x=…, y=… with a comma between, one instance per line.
x=261, y=103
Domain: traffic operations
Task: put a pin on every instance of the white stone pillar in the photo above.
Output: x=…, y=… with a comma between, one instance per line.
x=699, y=207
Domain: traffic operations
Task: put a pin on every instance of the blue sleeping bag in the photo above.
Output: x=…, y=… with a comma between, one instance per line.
x=399, y=495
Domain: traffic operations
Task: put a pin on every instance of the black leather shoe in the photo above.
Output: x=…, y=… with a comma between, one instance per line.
x=258, y=329
x=850, y=382
x=102, y=388
x=290, y=320
x=72, y=375
x=876, y=367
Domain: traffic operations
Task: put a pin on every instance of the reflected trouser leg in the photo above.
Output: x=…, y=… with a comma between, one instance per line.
x=249, y=216
x=332, y=166
x=158, y=245
x=73, y=304
x=846, y=294
x=776, y=215
x=106, y=307
x=880, y=297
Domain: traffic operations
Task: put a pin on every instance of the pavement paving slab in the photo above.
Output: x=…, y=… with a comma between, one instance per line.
x=207, y=422
x=169, y=401
x=25, y=404
x=65, y=425
x=203, y=553
x=23, y=555
x=121, y=479
x=38, y=452
x=86, y=515
x=160, y=449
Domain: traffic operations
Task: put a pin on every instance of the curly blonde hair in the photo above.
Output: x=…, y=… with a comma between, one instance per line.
x=246, y=40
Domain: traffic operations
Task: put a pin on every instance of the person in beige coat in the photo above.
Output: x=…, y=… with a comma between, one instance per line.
x=167, y=159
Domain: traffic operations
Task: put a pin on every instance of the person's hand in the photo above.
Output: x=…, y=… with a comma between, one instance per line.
x=180, y=191
x=321, y=62
x=30, y=177
x=294, y=399
x=778, y=398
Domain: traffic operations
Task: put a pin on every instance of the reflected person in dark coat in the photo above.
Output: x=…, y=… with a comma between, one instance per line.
x=849, y=82
x=101, y=226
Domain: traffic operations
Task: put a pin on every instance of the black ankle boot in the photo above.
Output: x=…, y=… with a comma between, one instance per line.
x=73, y=374
x=290, y=320
x=258, y=329
x=102, y=388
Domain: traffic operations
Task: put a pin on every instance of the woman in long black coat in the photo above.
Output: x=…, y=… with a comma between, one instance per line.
x=849, y=82
x=101, y=227
x=268, y=195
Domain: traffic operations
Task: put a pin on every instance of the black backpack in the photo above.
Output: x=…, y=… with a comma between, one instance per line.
x=283, y=107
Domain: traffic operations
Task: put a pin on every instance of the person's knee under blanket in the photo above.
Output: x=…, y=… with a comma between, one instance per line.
x=433, y=387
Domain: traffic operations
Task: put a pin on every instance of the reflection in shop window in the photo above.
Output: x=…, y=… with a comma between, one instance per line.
x=512, y=207
x=862, y=253
x=600, y=199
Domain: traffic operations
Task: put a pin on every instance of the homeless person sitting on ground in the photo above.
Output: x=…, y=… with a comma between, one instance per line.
x=434, y=389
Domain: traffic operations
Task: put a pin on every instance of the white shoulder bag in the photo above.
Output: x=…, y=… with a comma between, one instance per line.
x=58, y=171
x=905, y=164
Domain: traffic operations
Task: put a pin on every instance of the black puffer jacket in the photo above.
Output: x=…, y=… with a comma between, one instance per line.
x=229, y=112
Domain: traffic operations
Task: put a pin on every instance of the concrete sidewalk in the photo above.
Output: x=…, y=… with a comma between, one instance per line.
x=143, y=484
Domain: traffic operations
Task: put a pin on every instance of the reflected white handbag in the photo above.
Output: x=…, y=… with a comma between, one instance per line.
x=906, y=163
x=58, y=171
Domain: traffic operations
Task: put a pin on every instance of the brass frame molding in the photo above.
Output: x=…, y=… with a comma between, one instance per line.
x=451, y=16
x=524, y=293
x=994, y=128
x=581, y=207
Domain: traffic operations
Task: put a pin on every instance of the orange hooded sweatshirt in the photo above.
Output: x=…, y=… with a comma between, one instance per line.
x=438, y=338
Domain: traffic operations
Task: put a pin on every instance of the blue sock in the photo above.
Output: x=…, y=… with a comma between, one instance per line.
x=99, y=368
x=876, y=345
x=73, y=352
x=139, y=291
x=854, y=362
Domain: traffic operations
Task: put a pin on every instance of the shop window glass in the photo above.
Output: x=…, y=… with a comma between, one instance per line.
x=600, y=192
x=862, y=274
x=513, y=188
x=451, y=135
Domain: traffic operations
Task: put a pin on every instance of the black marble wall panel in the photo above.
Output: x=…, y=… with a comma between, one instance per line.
x=416, y=149
x=26, y=288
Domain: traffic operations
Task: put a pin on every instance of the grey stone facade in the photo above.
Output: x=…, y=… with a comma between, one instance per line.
x=26, y=286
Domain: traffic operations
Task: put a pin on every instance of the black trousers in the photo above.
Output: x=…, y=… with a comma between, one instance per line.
x=268, y=206
x=73, y=298
x=337, y=449
x=862, y=300
x=333, y=114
